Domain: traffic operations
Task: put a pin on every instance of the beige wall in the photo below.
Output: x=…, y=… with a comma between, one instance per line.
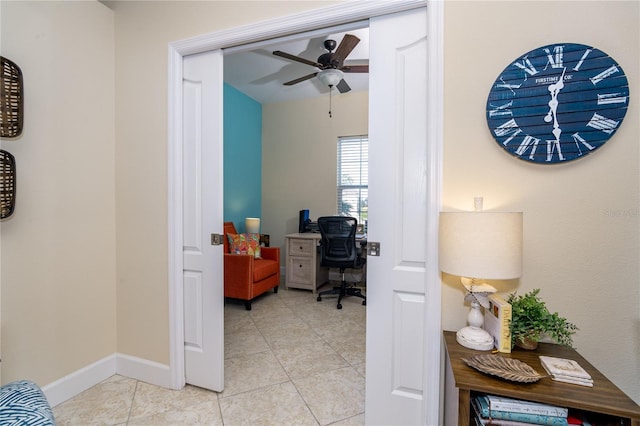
x=58, y=249
x=58, y=291
x=299, y=157
x=143, y=32
x=581, y=220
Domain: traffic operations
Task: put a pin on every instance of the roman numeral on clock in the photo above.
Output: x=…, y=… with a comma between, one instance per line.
x=509, y=86
x=553, y=146
x=603, y=123
x=528, y=142
x=604, y=74
x=555, y=58
x=611, y=98
x=526, y=66
x=509, y=128
x=501, y=110
x=584, y=56
x=580, y=140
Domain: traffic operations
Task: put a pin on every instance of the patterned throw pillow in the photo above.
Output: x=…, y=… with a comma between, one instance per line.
x=23, y=403
x=245, y=244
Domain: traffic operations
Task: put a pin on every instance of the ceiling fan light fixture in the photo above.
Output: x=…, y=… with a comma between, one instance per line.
x=330, y=77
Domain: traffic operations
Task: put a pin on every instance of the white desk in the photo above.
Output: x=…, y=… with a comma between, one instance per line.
x=303, y=262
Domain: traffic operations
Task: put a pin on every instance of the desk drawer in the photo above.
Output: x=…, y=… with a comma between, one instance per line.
x=300, y=271
x=301, y=247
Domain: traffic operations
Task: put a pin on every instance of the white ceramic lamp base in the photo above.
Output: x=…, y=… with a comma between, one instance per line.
x=473, y=336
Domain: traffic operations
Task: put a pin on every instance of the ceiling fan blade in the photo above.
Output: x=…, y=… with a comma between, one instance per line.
x=355, y=68
x=343, y=87
x=296, y=58
x=298, y=80
x=346, y=46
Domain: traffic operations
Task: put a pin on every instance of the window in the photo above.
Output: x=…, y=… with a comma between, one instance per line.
x=353, y=177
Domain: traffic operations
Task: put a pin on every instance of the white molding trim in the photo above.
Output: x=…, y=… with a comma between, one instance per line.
x=132, y=367
x=306, y=21
x=73, y=384
x=433, y=285
x=175, y=261
x=144, y=370
x=285, y=26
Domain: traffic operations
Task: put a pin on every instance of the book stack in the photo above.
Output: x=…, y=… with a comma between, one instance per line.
x=566, y=370
x=501, y=411
x=497, y=319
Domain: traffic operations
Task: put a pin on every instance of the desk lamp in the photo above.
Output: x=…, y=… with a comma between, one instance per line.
x=475, y=246
x=252, y=224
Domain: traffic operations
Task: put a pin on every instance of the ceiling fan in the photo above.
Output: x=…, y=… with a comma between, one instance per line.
x=331, y=64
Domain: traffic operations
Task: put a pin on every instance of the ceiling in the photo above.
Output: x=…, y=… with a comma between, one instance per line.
x=259, y=74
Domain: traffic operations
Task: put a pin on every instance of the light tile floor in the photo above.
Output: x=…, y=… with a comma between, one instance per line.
x=289, y=361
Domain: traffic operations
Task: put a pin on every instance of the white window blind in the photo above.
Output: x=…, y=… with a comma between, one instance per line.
x=353, y=177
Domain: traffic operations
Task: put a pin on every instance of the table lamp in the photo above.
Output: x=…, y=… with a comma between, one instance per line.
x=480, y=245
x=252, y=224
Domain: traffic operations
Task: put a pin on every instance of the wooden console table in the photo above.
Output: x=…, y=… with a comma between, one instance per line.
x=604, y=398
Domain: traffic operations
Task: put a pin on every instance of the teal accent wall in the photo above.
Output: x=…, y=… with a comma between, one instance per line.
x=242, y=157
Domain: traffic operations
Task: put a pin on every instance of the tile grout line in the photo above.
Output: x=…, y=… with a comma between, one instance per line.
x=293, y=383
x=133, y=397
x=272, y=351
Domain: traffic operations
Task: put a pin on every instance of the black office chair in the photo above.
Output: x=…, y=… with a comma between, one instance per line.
x=338, y=249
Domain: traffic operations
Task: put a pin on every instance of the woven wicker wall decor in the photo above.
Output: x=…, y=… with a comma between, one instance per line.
x=7, y=184
x=11, y=99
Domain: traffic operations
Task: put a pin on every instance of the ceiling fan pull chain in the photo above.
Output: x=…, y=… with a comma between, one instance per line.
x=330, y=116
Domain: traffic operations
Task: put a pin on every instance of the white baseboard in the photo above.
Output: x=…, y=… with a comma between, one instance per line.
x=71, y=385
x=144, y=370
x=125, y=365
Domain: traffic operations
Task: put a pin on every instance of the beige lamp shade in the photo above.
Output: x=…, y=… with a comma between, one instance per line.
x=252, y=224
x=484, y=245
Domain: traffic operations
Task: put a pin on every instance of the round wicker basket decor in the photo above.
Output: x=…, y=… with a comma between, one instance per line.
x=11, y=99
x=503, y=367
x=7, y=184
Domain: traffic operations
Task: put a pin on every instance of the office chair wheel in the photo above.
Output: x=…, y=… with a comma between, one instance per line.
x=319, y=299
x=364, y=303
x=339, y=306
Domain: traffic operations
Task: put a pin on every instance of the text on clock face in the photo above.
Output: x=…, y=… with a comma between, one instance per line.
x=557, y=103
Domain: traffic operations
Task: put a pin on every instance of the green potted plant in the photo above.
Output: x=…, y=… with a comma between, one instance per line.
x=530, y=320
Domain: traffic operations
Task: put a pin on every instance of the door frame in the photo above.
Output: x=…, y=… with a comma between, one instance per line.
x=302, y=22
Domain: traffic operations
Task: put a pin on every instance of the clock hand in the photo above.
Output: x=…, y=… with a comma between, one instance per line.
x=553, y=106
x=554, y=89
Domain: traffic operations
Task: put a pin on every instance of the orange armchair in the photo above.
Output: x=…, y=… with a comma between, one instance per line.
x=246, y=277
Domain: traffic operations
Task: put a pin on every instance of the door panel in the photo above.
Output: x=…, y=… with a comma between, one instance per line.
x=203, y=290
x=397, y=218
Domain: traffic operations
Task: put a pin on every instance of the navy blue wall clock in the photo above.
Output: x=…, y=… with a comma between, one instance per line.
x=557, y=103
